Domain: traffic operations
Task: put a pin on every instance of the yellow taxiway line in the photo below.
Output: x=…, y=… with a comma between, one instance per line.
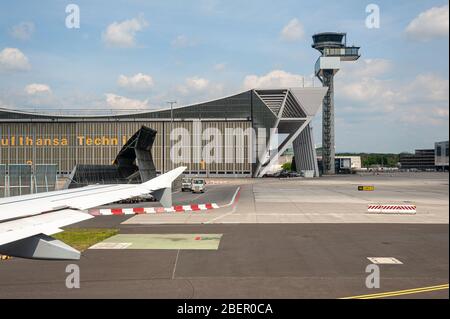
x=400, y=292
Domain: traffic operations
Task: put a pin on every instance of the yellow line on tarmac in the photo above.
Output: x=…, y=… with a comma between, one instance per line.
x=400, y=292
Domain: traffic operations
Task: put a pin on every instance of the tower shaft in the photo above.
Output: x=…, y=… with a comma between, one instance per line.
x=328, y=145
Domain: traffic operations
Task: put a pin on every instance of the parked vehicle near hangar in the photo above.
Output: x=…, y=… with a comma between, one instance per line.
x=198, y=185
x=186, y=184
x=284, y=174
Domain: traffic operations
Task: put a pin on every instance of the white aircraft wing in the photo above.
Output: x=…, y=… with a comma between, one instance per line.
x=47, y=224
x=27, y=221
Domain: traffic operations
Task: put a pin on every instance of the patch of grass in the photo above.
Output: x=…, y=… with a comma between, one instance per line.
x=83, y=238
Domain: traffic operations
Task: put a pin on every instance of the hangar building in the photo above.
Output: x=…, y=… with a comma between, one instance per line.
x=232, y=136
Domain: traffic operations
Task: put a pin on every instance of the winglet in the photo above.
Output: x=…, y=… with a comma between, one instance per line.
x=165, y=180
x=161, y=186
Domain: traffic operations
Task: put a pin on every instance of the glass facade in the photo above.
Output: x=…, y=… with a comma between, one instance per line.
x=44, y=177
x=19, y=179
x=341, y=51
x=441, y=155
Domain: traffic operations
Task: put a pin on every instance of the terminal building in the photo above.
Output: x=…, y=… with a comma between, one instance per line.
x=231, y=136
x=422, y=159
x=427, y=159
x=441, y=155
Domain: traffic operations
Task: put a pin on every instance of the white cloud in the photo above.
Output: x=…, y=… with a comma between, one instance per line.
x=23, y=30
x=220, y=67
x=293, y=31
x=373, y=101
x=361, y=83
x=122, y=34
x=367, y=90
x=428, y=87
x=120, y=102
x=421, y=101
x=137, y=82
x=432, y=23
x=182, y=41
x=210, y=7
x=4, y=105
x=419, y=115
x=364, y=68
x=195, y=83
x=12, y=59
x=36, y=88
x=273, y=79
x=195, y=89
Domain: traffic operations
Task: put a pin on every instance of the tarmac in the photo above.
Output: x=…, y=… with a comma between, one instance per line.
x=292, y=238
x=253, y=261
x=333, y=199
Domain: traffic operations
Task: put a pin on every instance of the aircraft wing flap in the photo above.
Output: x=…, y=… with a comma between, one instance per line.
x=47, y=224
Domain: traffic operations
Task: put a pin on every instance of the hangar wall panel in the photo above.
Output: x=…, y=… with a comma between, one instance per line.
x=70, y=143
x=19, y=179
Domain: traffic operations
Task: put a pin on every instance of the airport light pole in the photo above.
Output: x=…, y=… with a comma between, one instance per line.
x=171, y=109
x=171, y=114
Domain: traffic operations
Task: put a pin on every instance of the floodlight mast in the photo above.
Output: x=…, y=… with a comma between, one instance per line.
x=333, y=48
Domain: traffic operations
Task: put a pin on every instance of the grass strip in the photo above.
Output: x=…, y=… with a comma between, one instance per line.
x=83, y=238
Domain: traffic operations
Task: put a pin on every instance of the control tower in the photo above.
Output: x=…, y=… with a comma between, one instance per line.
x=333, y=48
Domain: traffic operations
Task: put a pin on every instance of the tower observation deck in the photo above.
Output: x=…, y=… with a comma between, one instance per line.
x=333, y=48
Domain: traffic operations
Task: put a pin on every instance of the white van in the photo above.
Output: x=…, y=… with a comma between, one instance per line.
x=186, y=184
x=198, y=185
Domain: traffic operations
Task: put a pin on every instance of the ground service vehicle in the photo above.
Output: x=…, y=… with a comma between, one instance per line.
x=186, y=184
x=198, y=185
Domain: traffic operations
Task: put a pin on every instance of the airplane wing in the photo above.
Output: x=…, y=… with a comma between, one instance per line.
x=26, y=222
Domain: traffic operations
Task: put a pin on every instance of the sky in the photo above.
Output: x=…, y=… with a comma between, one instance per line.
x=138, y=54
